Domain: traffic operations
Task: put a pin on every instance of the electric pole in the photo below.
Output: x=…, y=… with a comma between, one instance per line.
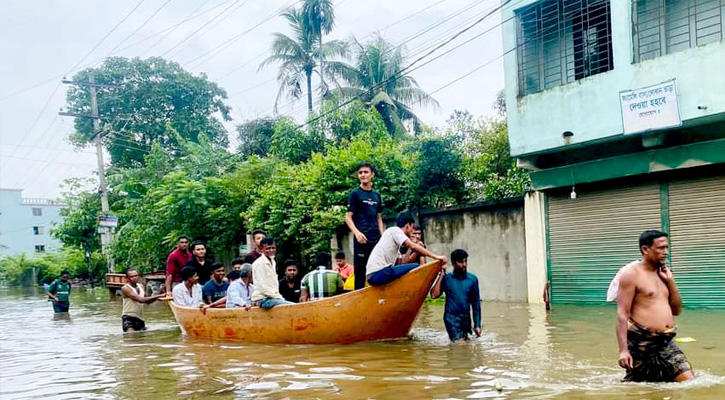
x=105, y=230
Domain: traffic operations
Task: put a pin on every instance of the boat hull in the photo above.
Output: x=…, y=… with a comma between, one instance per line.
x=373, y=313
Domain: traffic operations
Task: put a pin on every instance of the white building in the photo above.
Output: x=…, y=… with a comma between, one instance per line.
x=25, y=223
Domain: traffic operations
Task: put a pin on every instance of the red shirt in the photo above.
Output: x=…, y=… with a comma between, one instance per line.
x=345, y=271
x=175, y=262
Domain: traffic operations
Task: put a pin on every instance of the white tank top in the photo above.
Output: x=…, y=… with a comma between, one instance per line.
x=132, y=307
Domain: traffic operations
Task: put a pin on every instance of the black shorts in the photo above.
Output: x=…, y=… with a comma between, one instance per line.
x=129, y=322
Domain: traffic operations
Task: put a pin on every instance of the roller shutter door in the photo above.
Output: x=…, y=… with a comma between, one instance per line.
x=593, y=236
x=697, y=240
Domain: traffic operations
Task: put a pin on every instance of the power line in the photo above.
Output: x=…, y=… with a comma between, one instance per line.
x=199, y=29
x=139, y=28
x=161, y=39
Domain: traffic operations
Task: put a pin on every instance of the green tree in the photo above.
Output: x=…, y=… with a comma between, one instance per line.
x=300, y=56
x=255, y=137
x=292, y=144
x=79, y=225
x=438, y=172
x=138, y=98
x=319, y=20
x=377, y=77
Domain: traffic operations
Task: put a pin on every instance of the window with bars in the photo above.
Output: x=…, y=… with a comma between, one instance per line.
x=38, y=230
x=39, y=248
x=667, y=26
x=37, y=212
x=561, y=41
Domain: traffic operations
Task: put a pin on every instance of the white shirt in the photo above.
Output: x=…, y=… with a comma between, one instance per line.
x=239, y=294
x=386, y=251
x=266, y=284
x=183, y=298
x=613, y=290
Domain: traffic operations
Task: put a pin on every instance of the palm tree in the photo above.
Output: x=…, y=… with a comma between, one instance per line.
x=319, y=19
x=300, y=56
x=378, y=78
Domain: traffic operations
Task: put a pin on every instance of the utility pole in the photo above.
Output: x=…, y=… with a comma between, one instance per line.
x=105, y=231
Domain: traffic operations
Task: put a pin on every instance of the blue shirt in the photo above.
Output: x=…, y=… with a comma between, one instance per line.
x=462, y=294
x=239, y=294
x=215, y=291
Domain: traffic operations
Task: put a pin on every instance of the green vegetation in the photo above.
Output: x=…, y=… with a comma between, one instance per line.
x=171, y=172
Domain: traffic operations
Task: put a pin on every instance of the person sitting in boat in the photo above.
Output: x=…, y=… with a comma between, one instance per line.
x=188, y=293
x=266, y=284
x=289, y=286
x=342, y=266
x=257, y=236
x=322, y=282
x=214, y=291
x=237, y=264
x=462, y=298
x=381, y=268
x=241, y=288
x=407, y=255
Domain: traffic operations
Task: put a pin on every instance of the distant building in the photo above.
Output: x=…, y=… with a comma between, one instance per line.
x=25, y=223
x=618, y=109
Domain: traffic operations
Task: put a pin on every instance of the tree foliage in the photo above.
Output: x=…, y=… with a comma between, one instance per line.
x=139, y=100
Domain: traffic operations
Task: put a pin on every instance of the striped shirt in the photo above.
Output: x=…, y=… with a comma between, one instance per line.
x=322, y=283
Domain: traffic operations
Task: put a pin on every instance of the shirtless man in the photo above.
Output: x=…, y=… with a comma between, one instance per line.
x=647, y=301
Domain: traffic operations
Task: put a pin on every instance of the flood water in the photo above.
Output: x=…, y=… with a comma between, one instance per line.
x=523, y=354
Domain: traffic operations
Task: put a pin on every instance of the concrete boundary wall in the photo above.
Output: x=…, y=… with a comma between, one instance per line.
x=493, y=233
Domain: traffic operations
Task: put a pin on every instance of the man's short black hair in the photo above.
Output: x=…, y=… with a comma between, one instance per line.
x=458, y=255
x=287, y=263
x=182, y=237
x=197, y=243
x=237, y=261
x=648, y=238
x=258, y=231
x=234, y=275
x=64, y=272
x=187, y=272
x=365, y=164
x=216, y=266
x=129, y=269
x=340, y=255
x=404, y=219
x=267, y=241
x=322, y=259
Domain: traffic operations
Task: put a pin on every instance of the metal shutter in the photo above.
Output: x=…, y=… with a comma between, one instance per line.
x=697, y=240
x=593, y=236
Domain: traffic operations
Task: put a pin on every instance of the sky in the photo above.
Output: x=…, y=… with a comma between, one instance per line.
x=44, y=40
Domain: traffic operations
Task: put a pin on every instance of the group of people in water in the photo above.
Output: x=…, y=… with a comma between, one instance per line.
x=645, y=290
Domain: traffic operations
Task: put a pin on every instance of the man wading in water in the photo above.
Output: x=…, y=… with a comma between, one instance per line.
x=647, y=302
x=132, y=319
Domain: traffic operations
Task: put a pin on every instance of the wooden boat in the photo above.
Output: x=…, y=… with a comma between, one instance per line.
x=376, y=312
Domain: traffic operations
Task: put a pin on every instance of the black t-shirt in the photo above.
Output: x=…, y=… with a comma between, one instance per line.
x=203, y=271
x=290, y=293
x=365, y=205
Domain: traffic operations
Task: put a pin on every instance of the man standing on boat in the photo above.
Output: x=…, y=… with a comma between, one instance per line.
x=289, y=286
x=188, y=293
x=257, y=236
x=647, y=301
x=200, y=261
x=134, y=298
x=216, y=289
x=381, y=267
x=59, y=292
x=176, y=261
x=365, y=219
x=264, y=272
x=322, y=282
x=462, y=297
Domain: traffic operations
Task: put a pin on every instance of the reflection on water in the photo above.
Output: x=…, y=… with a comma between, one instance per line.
x=524, y=353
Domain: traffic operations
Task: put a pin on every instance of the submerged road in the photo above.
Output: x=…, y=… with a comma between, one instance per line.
x=523, y=354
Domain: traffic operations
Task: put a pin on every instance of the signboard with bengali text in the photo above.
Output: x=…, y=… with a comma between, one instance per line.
x=650, y=108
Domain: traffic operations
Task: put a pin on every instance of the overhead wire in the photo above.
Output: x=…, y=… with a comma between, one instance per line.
x=146, y=21
x=161, y=39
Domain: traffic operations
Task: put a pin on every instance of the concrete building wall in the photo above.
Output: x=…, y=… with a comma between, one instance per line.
x=17, y=222
x=492, y=234
x=590, y=107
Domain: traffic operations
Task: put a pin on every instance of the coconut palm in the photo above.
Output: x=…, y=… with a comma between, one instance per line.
x=299, y=57
x=319, y=19
x=378, y=78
